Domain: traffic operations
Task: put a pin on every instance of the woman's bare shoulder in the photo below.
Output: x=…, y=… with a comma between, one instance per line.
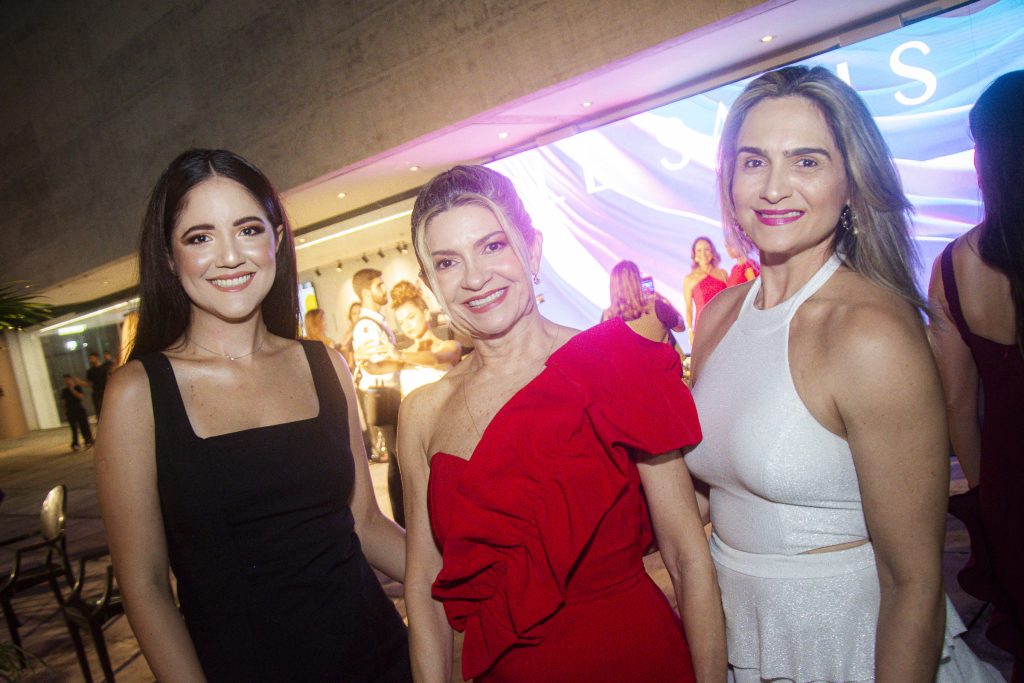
x=860, y=319
x=725, y=304
x=423, y=404
x=130, y=381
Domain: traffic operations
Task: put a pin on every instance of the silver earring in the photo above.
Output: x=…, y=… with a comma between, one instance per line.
x=848, y=220
x=536, y=279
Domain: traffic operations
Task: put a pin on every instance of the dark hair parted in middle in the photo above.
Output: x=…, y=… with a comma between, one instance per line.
x=164, y=308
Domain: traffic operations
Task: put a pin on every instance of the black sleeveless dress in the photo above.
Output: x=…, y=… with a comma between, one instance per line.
x=271, y=577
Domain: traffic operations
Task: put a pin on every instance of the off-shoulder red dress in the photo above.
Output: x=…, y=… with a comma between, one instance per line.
x=543, y=530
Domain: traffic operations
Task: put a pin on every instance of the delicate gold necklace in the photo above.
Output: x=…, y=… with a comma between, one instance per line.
x=259, y=346
x=465, y=397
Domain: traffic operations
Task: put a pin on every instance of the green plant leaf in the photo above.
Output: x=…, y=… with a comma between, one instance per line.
x=18, y=310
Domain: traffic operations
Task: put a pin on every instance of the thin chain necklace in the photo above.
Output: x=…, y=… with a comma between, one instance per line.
x=465, y=397
x=259, y=346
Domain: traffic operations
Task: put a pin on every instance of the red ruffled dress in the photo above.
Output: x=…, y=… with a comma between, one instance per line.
x=543, y=531
x=738, y=274
x=704, y=292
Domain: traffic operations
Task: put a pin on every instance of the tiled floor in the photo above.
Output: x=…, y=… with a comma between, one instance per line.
x=30, y=466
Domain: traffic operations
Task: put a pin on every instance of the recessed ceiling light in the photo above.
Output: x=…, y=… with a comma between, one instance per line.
x=587, y=103
x=767, y=39
x=414, y=168
x=302, y=240
x=341, y=195
x=502, y=135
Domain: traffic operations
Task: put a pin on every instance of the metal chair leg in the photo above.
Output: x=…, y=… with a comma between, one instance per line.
x=83, y=660
x=101, y=650
x=12, y=626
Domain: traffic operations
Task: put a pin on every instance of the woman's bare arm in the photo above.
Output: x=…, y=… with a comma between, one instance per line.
x=887, y=392
x=684, y=548
x=125, y=471
x=688, y=283
x=430, y=635
x=382, y=540
x=959, y=380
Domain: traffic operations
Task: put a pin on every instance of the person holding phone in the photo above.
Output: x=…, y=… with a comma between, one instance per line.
x=634, y=299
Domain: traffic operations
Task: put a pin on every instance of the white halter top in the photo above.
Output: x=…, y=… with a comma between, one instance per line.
x=780, y=482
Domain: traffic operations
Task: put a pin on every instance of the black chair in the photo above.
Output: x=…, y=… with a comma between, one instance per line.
x=53, y=568
x=91, y=614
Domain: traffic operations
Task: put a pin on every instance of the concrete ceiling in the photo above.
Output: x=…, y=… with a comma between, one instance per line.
x=368, y=214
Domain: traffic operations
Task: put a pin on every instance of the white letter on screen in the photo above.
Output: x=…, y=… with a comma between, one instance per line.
x=913, y=72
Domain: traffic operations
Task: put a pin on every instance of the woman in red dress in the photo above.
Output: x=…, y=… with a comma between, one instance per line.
x=705, y=280
x=533, y=472
x=738, y=248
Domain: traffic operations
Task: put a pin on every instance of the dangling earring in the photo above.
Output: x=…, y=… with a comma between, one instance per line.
x=536, y=279
x=848, y=220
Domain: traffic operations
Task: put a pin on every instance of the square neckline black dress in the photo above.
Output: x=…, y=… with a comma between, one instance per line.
x=270, y=574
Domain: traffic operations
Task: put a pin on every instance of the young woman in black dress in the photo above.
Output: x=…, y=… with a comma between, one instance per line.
x=231, y=454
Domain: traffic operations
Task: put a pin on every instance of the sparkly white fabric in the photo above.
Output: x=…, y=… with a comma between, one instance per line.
x=782, y=484
x=802, y=618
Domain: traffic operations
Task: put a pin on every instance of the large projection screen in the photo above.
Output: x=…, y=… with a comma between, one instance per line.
x=643, y=188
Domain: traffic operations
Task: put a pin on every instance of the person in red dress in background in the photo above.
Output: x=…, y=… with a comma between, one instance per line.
x=977, y=290
x=738, y=249
x=533, y=472
x=705, y=280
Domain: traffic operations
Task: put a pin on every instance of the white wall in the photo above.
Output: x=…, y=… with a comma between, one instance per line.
x=33, y=379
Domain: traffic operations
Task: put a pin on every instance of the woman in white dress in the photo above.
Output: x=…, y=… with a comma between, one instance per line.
x=825, y=447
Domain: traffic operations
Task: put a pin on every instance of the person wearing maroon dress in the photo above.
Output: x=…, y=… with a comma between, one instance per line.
x=705, y=280
x=540, y=469
x=977, y=290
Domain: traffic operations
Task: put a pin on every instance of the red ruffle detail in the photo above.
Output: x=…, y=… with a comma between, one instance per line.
x=551, y=465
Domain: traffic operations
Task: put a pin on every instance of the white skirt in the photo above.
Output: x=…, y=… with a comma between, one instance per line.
x=809, y=618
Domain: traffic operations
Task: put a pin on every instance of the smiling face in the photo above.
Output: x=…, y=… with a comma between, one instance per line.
x=412, y=320
x=702, y=254
x=223, y=250
x=484, y=284
x=790, y=184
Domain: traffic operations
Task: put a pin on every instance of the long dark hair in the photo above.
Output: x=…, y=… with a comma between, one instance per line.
x=997, y=124
x=164, y=308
